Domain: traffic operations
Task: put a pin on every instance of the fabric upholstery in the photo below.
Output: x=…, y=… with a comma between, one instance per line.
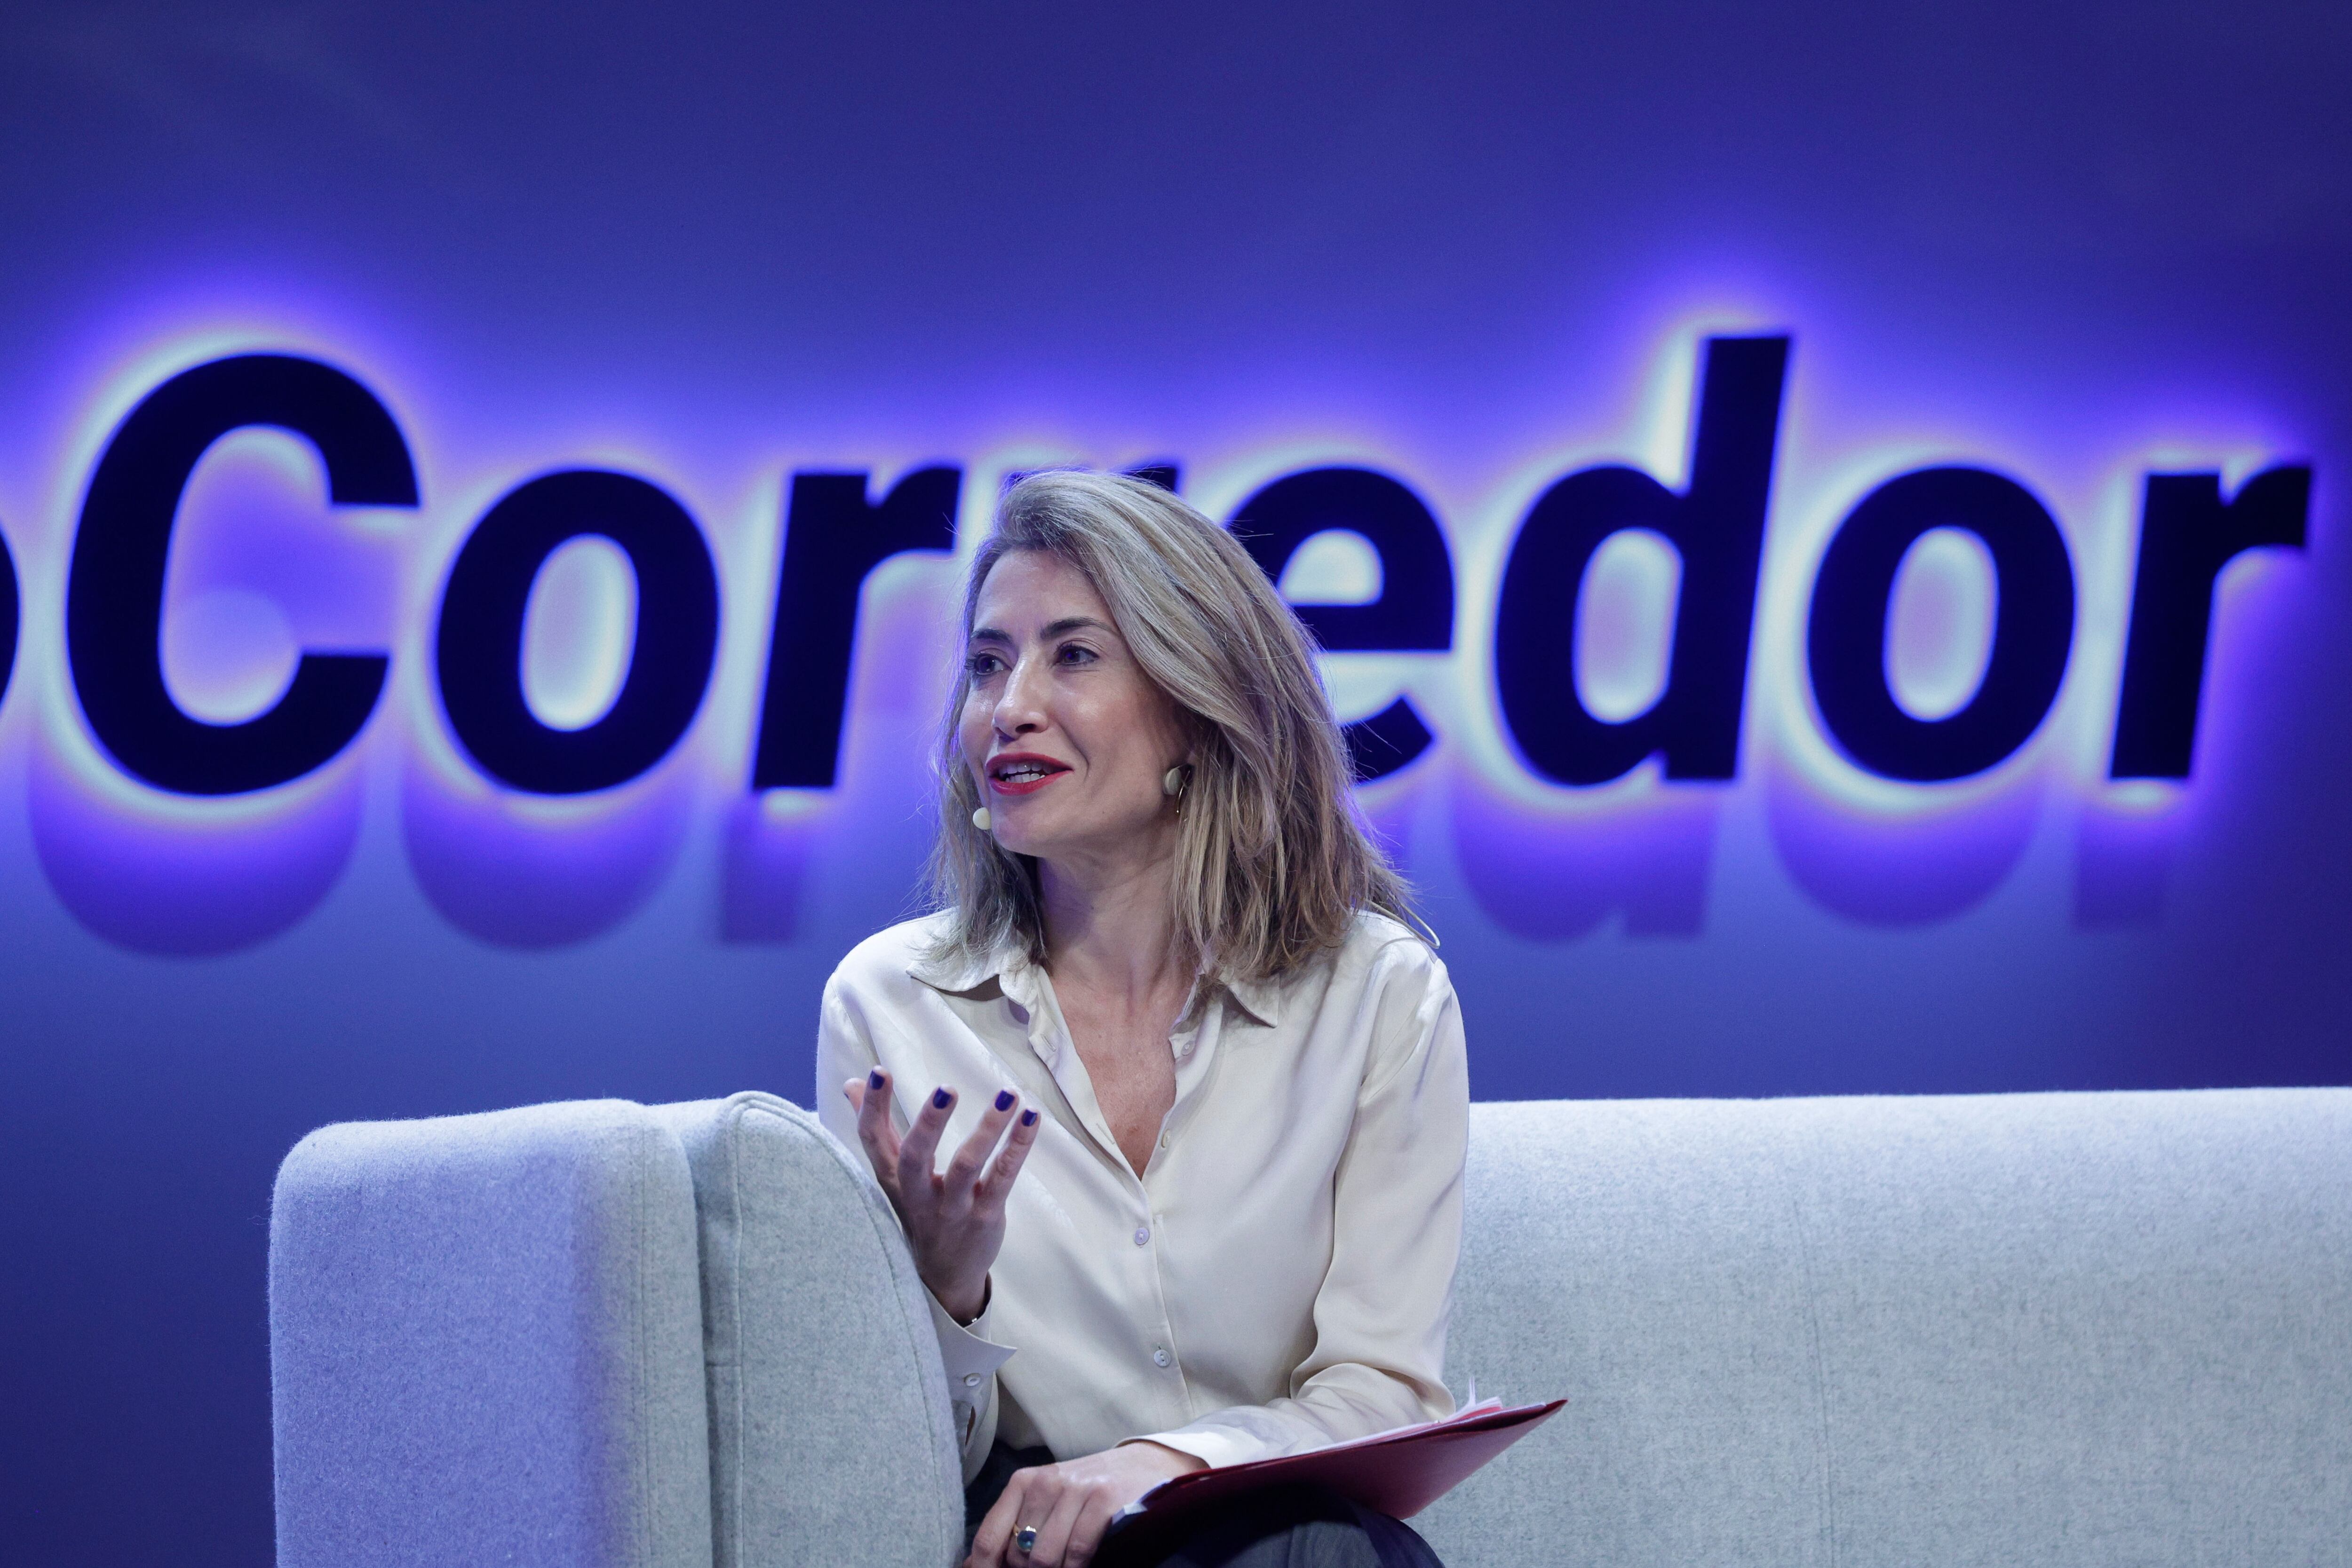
x=2090, y=1328
x=830, y=1434
x=484, y=1344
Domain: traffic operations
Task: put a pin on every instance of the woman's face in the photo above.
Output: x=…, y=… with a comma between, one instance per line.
x=1066, y=737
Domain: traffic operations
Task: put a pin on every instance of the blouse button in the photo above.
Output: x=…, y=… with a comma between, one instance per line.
x=1142, y=1235
x=1160, y=1357
x=971, y=1380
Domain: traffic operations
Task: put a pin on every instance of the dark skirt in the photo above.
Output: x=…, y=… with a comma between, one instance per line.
x=1281, y=1527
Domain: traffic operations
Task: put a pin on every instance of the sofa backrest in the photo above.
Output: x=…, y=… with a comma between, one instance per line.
x=2087, y=1328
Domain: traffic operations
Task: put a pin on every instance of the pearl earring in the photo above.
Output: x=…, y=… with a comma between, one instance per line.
x=1172, y=781
x=980, y=818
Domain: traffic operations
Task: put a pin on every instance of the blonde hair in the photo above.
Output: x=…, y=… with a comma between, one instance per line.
x=1272, y=861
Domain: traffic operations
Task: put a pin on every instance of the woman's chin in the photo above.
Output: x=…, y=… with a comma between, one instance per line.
x=1019, y=832
x=1047, y=847
x=1090, y=844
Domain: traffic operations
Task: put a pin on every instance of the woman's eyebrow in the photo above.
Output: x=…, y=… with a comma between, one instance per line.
x=1070, y=623
x=1052, y=628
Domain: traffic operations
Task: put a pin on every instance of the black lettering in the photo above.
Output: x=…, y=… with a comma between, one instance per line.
x=479, y=650
x=832, y=538
x=114, y=593
x=2186, y=535
x=1717, y=525
x=11, y=616
x=2034, y=624
x=1414, y=612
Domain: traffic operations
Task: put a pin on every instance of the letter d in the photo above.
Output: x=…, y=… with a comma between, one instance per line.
x=1717, y=525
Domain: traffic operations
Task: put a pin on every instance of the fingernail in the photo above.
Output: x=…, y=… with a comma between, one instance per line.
x=874, y=1078
x=940, y=1098
x=1029, y=1117
x=1004, y=1098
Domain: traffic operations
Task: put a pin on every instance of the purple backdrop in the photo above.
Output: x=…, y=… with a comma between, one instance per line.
x=1473, y=249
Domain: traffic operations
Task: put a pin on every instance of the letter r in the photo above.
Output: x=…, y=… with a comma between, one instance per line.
x=2188, y=534
x=834, y=537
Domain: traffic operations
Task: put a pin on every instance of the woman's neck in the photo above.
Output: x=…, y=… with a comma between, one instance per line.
x=1110, y=923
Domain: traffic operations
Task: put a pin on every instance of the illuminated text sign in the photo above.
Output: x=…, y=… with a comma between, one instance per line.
x=836, y=532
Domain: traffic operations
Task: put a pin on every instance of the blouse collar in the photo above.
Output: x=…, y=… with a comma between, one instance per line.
x=1017, y=976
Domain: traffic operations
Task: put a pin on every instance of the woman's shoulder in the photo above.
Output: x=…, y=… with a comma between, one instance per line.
x=1382, y=947
x=1384, y=986
x=1380, y=957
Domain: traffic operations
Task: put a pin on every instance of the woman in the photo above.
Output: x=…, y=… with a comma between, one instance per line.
x=1205, y=1093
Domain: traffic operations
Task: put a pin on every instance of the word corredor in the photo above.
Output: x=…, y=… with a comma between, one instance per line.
x=836, y=532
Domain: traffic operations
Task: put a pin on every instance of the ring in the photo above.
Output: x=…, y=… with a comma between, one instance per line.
x=1025, y=1540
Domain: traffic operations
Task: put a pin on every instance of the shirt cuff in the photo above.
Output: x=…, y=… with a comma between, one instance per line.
x=1213, y=1446
x=970, y=1360
x=965, y=1349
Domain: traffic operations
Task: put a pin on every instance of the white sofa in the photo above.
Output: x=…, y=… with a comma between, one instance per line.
x=2081, y=1329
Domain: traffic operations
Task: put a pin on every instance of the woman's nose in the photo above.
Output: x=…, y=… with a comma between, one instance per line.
x=1020, y=705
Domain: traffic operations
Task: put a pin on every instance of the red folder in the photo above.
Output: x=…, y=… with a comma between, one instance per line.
x=1397, y=1473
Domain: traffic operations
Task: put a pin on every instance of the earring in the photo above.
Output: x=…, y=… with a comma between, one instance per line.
x=980, y=818
x=1172, y=781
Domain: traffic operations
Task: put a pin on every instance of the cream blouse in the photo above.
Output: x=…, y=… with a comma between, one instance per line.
x=1278, y=1276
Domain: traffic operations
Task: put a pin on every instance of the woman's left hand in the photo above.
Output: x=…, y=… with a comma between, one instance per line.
x=1070, y=1505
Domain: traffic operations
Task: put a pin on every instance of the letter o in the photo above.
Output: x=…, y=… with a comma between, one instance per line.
x=479, y=650
x=2034, y=624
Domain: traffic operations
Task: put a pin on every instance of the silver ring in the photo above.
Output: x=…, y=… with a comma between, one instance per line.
x=1025, y=1540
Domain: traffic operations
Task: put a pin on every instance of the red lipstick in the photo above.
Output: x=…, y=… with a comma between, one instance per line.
x=1022, y=772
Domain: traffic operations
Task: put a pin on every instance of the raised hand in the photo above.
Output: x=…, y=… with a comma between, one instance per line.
x=954, y=1219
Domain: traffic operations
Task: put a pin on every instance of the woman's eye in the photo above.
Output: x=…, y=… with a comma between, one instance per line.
x=982, y=665
x=1075, y=653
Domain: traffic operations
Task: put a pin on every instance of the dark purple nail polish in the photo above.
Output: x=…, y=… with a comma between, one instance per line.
x=874, y=1078
x=940, y=1098
x=1029, y=1117
x=1004, y=1098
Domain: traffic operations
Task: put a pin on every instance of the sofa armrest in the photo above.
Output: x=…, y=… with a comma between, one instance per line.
x=831, y=1438
x=485, y=1344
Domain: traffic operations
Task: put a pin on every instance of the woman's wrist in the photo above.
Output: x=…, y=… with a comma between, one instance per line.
x=965, y=1306
x=1172, y=1461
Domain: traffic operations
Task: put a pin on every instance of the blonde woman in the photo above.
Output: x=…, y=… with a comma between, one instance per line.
x=1201, y=1090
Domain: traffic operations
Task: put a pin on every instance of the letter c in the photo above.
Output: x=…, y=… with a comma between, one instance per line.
x=114, y=592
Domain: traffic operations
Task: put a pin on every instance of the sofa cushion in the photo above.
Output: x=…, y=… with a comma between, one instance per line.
x=2088, y=1329
x=484, y=1337
x=830, y=1434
